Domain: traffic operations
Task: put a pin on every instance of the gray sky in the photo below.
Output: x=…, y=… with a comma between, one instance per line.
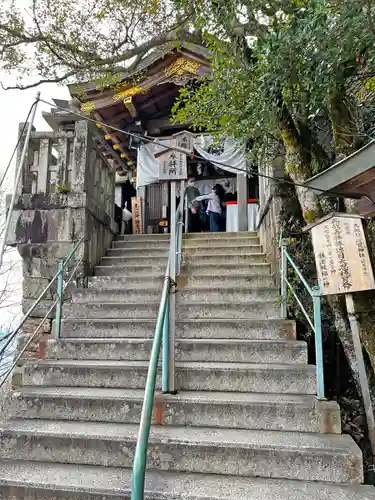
x=14, y=106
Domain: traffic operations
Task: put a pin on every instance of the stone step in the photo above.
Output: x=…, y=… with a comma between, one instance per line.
x=213, y=249
x=201, y=259
x=226, y=241
x=160, y=260
x=124, y=295
x=161, y=245
x=134, y=252
x=211, y=350
x=54, y=481
x=222, y=310
x=200, y=409
x=255, y=329
x=225, y=280
x=219, y=236
x=219, y=259
x=204, y=328
x=204, y=294
x=194, y=294
x=194, y=268
x=129, y=270
x=252, y=453
x=152, y=280
x=185, y=310
x=207, y=268
x=128, y=252
x=193, y=376
x=143, y=237
x=113, y=310
x=126, y=282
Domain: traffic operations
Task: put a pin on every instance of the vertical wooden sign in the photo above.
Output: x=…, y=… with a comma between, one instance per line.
x=341, y=254
x=137, y=215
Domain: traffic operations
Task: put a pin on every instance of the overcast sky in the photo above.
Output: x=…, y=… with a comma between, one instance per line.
x=14, y=106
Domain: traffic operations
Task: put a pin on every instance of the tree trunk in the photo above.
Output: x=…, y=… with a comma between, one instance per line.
x=297, y=165
x=344, y=127
x=298, y=168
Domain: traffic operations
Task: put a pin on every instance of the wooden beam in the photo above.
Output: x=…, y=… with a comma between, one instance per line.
x=161, y=123
x=117, y=118
x=129, y=105
x=110, y=150
x=110, y=132
x=157, y=98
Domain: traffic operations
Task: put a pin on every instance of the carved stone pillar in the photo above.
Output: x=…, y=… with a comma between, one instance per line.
x=59, y=204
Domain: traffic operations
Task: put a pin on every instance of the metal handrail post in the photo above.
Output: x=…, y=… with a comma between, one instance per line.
x=186, y=215
x=17, y=180
x=164, y=373
x=60, y=299
x=73, y=251
x=283, y=277
x=179, y=230
x=172, y=298
x=318, y=342
x=140, y=456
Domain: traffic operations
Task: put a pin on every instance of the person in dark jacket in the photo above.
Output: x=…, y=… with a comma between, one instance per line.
x=192, y=192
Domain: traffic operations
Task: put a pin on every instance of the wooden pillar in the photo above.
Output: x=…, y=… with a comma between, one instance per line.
x=242, y=201
x=141, y=193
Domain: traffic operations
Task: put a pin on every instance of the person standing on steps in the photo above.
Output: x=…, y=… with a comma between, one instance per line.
x=214, y=207
x=194, y=225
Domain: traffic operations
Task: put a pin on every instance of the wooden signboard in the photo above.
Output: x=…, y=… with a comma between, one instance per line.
x=184, y=140
x=172, y=165
x=341, y=254
x=137, y=215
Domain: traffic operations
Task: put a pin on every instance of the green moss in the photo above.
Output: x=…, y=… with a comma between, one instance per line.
x=62, y=188
x=311, y=215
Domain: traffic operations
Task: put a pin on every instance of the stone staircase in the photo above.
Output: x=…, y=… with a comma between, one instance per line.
x=245, y=424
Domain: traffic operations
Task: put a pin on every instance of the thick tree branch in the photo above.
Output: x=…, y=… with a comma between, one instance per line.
x=40, y=82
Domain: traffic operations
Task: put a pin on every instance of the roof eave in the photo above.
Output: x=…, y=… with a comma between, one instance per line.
x=344, y=170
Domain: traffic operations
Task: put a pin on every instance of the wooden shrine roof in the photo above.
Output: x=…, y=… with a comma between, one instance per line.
x=163, y=70
x=141, y=101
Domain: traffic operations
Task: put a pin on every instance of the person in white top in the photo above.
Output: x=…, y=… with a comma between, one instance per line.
x=214, y=208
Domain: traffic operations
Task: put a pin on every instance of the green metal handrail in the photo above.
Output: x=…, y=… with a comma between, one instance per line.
x=140, y=456
x=160, y=339
x=60, y=284
x=58, y=302
x=316, y=323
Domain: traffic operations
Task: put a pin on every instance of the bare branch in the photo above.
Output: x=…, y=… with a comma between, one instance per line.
x=39, y=82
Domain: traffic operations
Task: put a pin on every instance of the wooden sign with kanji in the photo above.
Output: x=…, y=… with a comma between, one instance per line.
x=172, y=165
x=341, y=254
x=137, y=215
x=184, y=140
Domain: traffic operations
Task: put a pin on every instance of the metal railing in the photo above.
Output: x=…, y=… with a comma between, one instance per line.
x=58, y=303
x=315, y=323
x=163, y=329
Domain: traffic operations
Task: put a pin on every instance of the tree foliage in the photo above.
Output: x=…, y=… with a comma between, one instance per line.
x=294, y=70
x=49, y=40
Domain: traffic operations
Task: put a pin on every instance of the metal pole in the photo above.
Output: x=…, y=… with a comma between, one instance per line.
x=172, y=297
x=186, y=215
x=318, y=343
x=283, y=277
x=17, y=180
x=361, y=370
x=60, y=297
x=179, y=228
x=164, y=377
